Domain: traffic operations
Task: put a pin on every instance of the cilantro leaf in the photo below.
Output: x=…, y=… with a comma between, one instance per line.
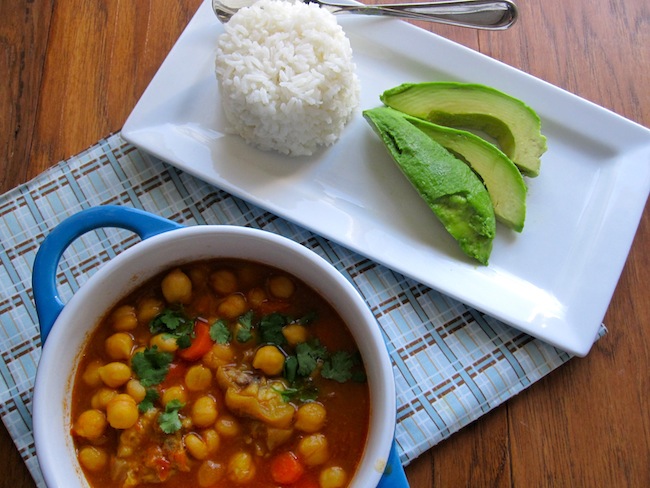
x=184, y=341
x=358, y=373
x=359, y=376
x=244, y=334
x=307, y=361
x=175, y=323
x=308, y=318
x=246, y=319
x=291, y=368
x=308, y=355
x=150, y=397
x=271, y=328
x=169, y=420
x=302, y=393
x=151, y=366
x=245, y=327
x=172, y=321
x=338, y=367
x=219, y=332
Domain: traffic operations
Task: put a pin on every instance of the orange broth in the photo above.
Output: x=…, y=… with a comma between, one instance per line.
x=220, y=373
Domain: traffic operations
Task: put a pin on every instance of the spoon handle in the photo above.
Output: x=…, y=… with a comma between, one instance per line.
x=478, y=14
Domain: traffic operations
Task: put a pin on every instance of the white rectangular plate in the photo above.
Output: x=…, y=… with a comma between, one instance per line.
x=554, y=281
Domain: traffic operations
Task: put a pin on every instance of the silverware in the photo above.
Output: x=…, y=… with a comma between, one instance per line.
x=478, y=14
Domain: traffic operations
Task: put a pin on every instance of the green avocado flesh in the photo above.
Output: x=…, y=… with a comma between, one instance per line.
x=448, y=185
x=514, y=125
x=501, y=177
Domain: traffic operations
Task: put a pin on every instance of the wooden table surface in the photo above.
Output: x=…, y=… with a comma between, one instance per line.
x=73, y=70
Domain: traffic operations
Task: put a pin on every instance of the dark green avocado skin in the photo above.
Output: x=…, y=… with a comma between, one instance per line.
x=451, y=189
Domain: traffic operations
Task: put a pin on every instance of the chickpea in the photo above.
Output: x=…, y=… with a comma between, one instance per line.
x=310, y=417
x=295, y=334
x=186, y=423
x=119, y=346
x=210, y=473
x=204, y=411
x=269, y=359
x=92, y=458
x=129, y=440
x=276, y=437
x=199, y=275
x=204, y=302
x=176, y=392
x=332, y=477
x=91, y=374
x=101, y=398
x=219, y=355
x=227, y=426
x=198, y=378
x=249, y=275
x=195, y=446
x=164, y=342
x=256, y=297
x=241, y=468
x=148, y=308
x=115, y=374
x=212, y=440
x=313, y=449
x=135, y=390
x=177, y=287
x=124, y=318
x=233, y=306
x=224, y=281
x=122, y=411
x=90, y=424
x=281, y=286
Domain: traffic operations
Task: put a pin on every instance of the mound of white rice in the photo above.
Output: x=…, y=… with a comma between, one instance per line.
x=286, y=76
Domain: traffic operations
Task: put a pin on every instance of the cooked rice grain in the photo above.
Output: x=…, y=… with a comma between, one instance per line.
x=286, y=76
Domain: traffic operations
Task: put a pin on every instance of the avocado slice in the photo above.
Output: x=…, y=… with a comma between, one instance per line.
x=500, y=176
x=448, y=185
x=514, y=125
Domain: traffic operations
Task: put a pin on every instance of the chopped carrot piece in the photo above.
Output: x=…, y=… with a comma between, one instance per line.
x=286, y=468
x=201, y=343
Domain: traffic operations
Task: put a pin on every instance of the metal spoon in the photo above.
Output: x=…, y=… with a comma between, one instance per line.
x=479, y=14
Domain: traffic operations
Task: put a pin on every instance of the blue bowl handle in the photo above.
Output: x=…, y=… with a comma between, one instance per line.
x=394, y=476
x=47, y=300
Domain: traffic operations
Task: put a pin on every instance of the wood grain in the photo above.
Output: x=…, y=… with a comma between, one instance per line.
x=73, y=70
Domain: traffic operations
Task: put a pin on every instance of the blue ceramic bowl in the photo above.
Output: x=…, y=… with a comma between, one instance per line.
x=66, y=327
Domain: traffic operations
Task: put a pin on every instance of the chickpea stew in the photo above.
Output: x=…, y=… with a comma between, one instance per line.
x=221, y=373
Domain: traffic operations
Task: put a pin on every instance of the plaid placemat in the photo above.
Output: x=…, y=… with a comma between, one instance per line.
x=452, y=364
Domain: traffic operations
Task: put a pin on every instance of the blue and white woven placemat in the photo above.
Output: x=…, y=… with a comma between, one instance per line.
x=452, y=364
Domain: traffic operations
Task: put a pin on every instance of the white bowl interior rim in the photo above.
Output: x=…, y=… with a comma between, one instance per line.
x=147, y=258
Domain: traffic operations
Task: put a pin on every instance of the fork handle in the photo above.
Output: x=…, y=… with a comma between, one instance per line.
x=478, y=14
